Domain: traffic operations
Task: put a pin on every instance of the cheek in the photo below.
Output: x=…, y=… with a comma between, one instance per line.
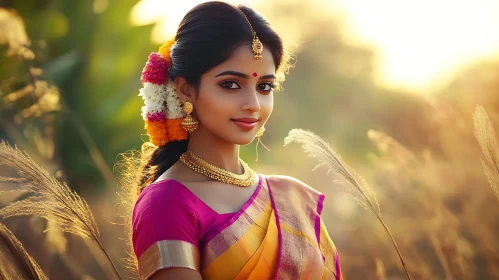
x=266, y=105
x=212, y=108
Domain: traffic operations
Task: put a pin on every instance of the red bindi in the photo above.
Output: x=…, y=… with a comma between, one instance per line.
x=255, y=74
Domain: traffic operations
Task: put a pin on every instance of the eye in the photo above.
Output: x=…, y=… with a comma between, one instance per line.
x=230, y=85
x=266, y=86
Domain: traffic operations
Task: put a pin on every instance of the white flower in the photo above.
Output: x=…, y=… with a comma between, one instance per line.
x=154, y=97
x=174, y=107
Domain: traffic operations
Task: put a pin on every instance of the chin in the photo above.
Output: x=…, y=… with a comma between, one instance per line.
x=242, y=139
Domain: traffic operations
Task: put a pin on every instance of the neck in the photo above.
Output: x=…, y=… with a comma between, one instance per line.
x=214, y=150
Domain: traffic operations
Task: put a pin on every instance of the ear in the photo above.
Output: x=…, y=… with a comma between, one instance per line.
x=185, y=91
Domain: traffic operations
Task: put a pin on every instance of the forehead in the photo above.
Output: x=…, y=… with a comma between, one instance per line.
x=242, y=60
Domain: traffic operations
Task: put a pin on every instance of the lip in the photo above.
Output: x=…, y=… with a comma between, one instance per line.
x=245, y=123
x=246, y=120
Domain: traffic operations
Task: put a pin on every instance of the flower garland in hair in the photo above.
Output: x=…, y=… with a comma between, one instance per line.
x=162, y=111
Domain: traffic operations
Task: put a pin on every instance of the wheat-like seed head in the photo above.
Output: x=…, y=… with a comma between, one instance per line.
x=15, y=260
x=484, y=133
x=319, y=149
x=49, y=198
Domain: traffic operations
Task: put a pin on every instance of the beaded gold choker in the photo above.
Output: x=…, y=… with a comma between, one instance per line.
x=201, y=166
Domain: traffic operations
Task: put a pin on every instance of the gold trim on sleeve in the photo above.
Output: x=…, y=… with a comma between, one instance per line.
x=168, y=253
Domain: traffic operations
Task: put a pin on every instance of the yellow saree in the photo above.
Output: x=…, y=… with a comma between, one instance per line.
x=279, y=235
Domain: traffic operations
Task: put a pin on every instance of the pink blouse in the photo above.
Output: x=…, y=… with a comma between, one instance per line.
x=168, y=210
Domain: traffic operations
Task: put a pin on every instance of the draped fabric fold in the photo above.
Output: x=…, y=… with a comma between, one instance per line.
x=305, y=248
x=278, y=235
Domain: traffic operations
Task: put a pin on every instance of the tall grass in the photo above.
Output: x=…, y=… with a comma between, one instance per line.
x=16, y=262
x=49, y=199
x=360, y=190
x=485, y=134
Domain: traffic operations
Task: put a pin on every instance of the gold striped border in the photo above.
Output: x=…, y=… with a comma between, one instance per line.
x=231, y=234
x=296, y=205
x=168, y=253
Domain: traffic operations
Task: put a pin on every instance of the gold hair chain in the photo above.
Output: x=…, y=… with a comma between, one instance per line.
x=256, y=46
x=216, y=173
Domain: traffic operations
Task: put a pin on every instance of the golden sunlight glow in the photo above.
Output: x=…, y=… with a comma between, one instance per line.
x=166, y=14
x=421, y=44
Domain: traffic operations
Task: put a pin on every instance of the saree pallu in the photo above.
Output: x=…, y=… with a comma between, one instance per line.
x=278, y=234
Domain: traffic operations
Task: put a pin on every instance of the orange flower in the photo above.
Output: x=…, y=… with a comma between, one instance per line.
x=160, y=133
x=157, y=131
x=175, y=130
x=165, y=49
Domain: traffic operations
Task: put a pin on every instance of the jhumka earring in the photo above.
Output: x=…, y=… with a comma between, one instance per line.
x=258, y=135
x=189, y=123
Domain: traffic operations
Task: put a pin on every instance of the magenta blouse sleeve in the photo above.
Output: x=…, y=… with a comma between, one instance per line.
x=165, y=230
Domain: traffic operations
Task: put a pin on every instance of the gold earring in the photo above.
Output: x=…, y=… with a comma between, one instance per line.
x=258, y=135
x=189, y=123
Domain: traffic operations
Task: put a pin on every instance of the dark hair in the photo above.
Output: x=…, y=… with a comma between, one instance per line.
x=207, y=36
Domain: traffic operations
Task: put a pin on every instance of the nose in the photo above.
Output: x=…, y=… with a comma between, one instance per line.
x=251, y=102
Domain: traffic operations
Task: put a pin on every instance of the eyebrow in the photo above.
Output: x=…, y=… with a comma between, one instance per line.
x=242, y=75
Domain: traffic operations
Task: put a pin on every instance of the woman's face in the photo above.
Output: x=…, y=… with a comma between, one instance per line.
x=235, y=98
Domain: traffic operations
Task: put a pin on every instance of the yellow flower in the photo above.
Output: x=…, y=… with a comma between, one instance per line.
x=165, y=49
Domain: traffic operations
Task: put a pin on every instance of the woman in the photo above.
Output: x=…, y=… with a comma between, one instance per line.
x=203, y=213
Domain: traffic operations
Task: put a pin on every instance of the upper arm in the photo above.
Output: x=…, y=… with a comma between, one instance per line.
x=174, y=273
x=165, y=232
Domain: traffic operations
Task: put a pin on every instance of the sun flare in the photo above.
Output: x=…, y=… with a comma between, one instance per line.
x=419, y=45
x=166, y=14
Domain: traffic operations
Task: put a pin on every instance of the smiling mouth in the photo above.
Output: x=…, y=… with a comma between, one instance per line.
x=245, y=124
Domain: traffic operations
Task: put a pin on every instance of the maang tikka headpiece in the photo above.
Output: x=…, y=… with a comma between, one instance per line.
x=256, y=46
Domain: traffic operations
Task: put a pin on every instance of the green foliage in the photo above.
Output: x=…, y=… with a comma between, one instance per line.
x=88, y=56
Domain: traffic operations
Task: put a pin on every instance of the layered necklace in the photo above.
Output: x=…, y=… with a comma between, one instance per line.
x=201, y=166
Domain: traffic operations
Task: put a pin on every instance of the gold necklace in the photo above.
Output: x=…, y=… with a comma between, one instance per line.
x=201, y=166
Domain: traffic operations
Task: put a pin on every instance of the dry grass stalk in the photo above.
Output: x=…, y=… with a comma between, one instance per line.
x=380, y=270
x=484, y=133
x=48, y=100
x=127, y=169
x=317, y=148
x=16, y=259
x=3, y=273
x=437, y=246
x=45, y=98
x=50, y=200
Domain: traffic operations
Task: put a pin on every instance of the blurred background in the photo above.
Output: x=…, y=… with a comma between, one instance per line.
x=391, y=85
